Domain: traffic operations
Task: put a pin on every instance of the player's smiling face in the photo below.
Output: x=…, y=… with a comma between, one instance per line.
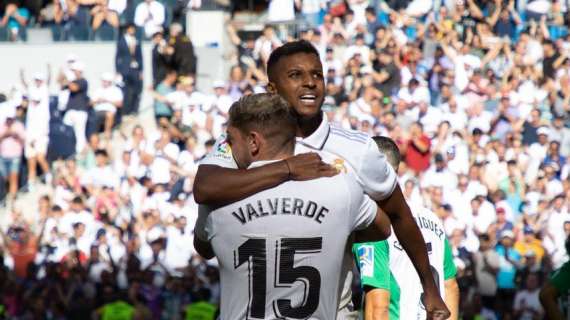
x=298, y=78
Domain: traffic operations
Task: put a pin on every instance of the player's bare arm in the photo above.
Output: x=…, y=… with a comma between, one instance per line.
x=413, y=243
x=377, y=304
x=217, y=186
x=452, y=298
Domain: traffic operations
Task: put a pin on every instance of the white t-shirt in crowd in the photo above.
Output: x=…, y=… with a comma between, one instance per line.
x=160, y=167
x=111, y=94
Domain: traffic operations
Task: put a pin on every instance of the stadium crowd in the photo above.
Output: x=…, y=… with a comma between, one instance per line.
x=476, y=93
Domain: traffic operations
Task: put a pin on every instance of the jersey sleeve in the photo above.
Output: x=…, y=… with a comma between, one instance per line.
x=201, y=228
x=366, y=213
x=449, y=269
x=221, y=155
x=560, y=279
x=372, y=259
x=377, y=176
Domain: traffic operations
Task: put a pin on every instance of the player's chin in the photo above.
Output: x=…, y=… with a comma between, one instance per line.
x=308, y=111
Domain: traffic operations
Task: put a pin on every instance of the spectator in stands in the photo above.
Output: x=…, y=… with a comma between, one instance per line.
x=162, y=108
x=150, y=15
x=265, y=44
x=107, y=11
x=527, y=303
x=417, y=149
x=220, y=101
x=129, y=64
x=105, y=101
x=161, y=57
x=245, y=48
x=509, y=263
x=37, y=137
x=22, y=246
x=181, y=7
x=77, y=105
x=281, y=10
x=237, y=82
x=183, y=60
x=15, y=19
x=12, y=139
x=487, y=263
x=39, y=86
x=101, y=176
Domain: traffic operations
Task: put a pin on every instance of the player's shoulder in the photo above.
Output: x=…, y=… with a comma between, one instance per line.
x=340, y=135
x=221, y=154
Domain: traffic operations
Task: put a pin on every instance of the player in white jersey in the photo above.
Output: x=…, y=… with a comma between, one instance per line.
x=281, y=250
x=295, y=72
x=397, y=293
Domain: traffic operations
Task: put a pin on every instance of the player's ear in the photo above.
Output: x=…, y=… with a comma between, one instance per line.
x=271, y=88
x=253, y=143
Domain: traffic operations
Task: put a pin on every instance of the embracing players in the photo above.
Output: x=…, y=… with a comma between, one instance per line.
x=295, y=72
x=281, y=250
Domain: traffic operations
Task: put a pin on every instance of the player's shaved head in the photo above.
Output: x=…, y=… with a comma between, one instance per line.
x=266, y=113
x=389, y=148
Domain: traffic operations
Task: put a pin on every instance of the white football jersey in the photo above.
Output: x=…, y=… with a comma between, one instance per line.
x=281, y=251
x=410, y=305
x=348, y=150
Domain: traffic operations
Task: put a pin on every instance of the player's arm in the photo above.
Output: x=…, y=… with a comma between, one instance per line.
x=217, y=186
x=452, y=298
x=377, y=231
x=374, y=277
x=413, y=243
x=377, y=304
x=451, y=287
x=203, y=248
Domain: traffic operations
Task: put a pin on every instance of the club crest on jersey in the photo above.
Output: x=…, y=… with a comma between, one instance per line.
x=339, y=165
x=366, y=260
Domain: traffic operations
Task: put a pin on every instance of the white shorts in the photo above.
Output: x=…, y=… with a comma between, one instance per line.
x=105, y=107
x=36, y=146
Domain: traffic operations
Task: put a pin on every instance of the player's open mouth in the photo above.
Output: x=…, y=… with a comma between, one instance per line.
x=308, y=99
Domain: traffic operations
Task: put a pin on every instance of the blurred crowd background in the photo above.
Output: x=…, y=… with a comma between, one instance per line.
x=476, y=93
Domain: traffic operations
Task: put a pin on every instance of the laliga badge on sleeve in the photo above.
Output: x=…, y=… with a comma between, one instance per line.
x=366, y=260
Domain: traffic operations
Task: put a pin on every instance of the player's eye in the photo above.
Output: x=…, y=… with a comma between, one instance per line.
x=294, y=74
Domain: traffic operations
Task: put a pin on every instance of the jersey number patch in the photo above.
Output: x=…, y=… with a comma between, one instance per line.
x=254, y=253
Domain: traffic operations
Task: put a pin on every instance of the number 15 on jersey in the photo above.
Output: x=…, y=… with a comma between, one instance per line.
x=252, y=254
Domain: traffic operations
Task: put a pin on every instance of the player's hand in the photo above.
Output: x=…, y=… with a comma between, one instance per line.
x=435, y=306
x=308, y=166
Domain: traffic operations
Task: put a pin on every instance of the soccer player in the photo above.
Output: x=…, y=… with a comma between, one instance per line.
x=295, y=72
x=397, y=292
x=555, y=295
x=281, y=250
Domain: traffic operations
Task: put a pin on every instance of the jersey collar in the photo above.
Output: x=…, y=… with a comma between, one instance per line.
x=260, y=163
x=318, y=138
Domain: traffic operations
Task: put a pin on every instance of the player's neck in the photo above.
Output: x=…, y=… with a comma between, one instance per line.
x=306, y=127
x=275, y=153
